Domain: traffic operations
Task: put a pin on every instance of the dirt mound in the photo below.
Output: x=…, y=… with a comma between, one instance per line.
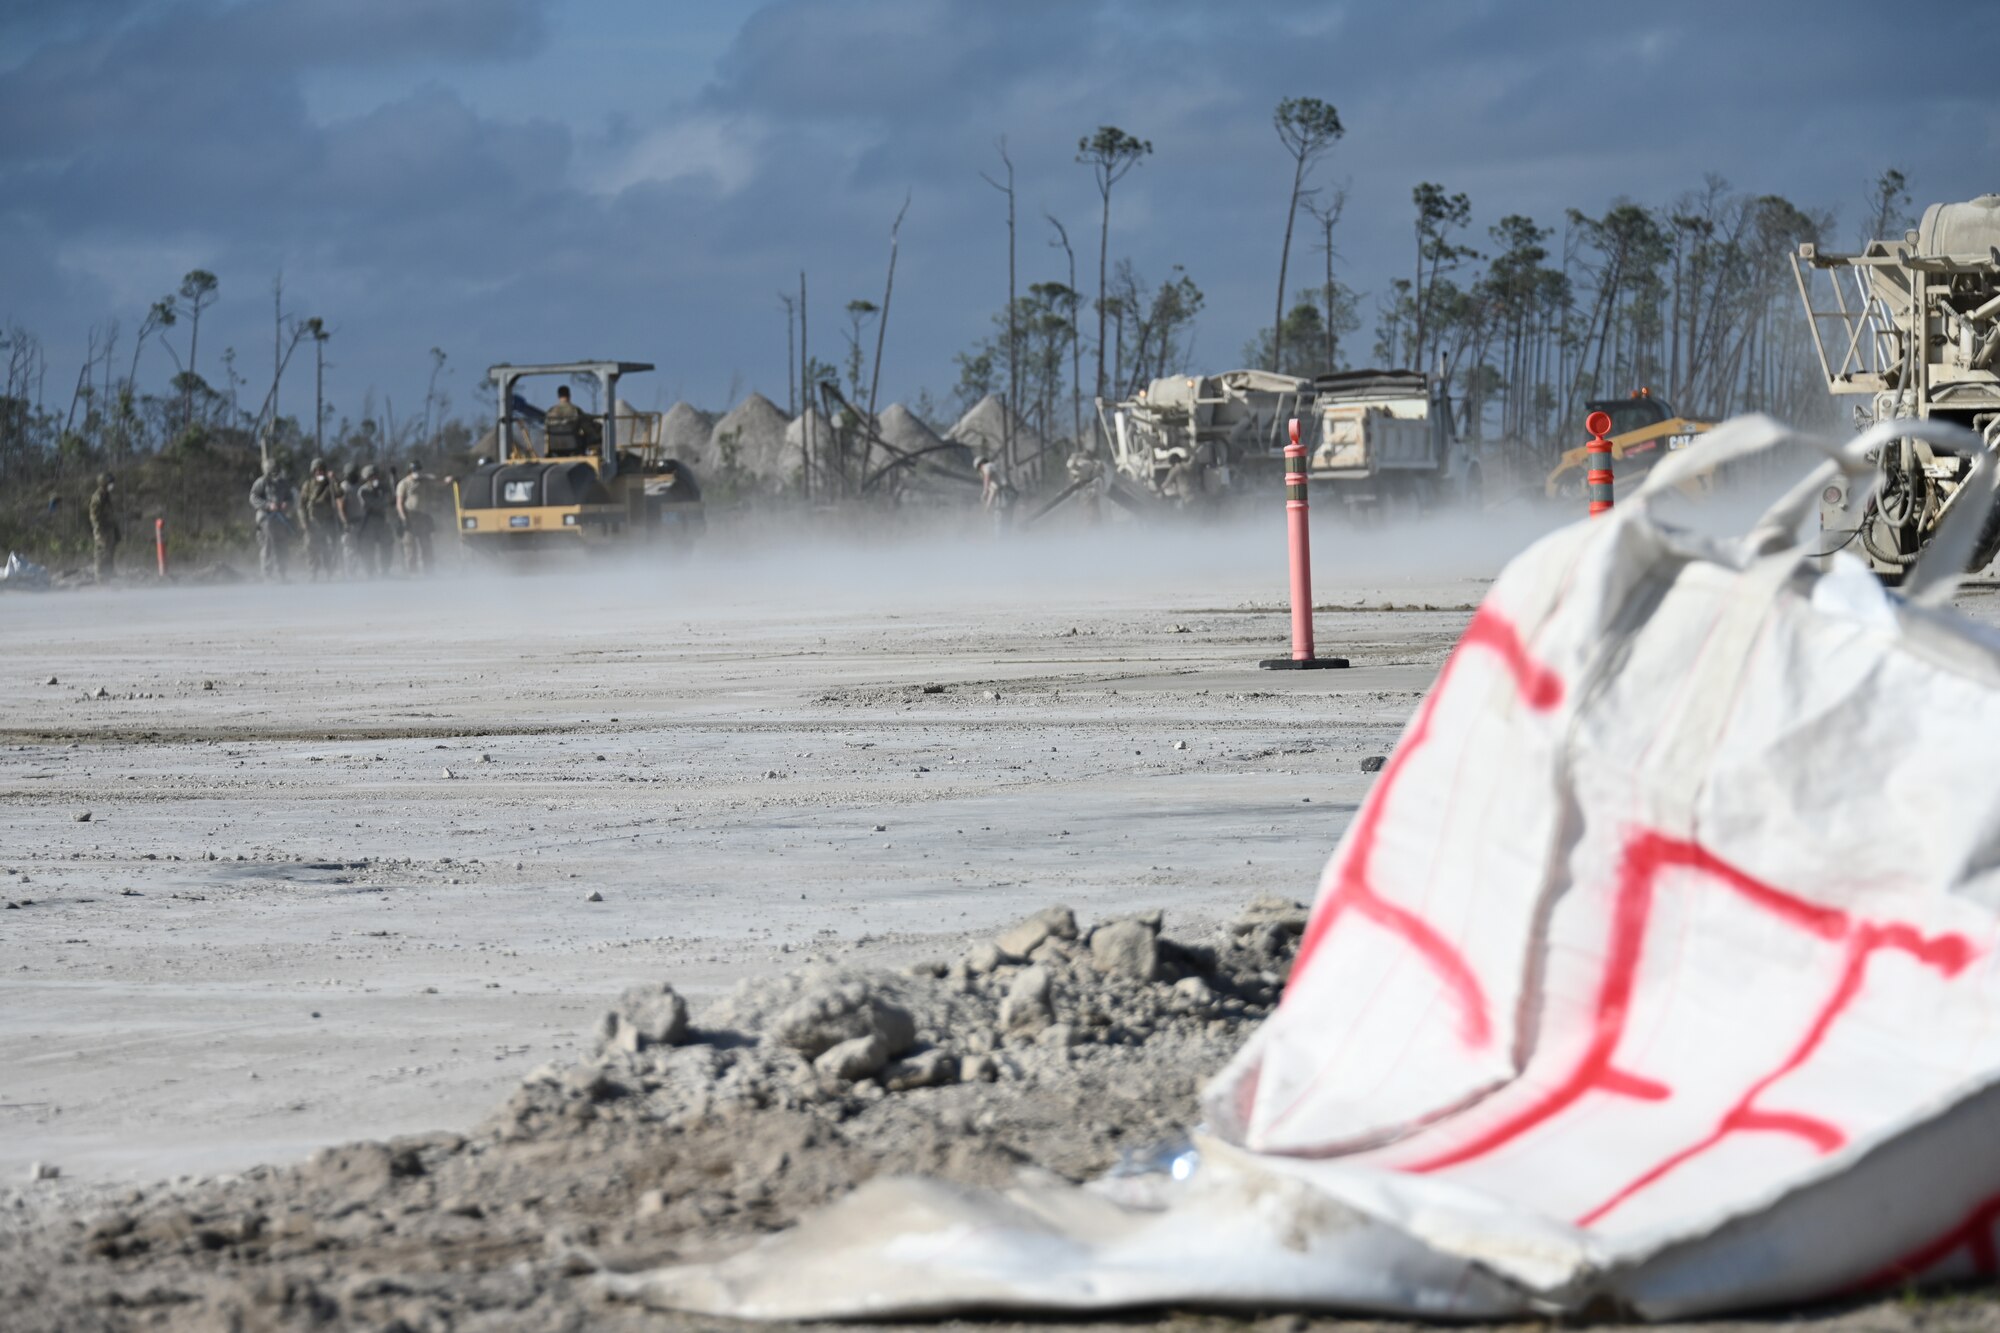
x=983, y=430
x=685, y=432
x=939, y=473
x=748, y=445
x=1050, y=1045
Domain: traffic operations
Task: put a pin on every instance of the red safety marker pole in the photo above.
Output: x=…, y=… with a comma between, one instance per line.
x=160, y=544
x=1597, y=481
x=1299, y=531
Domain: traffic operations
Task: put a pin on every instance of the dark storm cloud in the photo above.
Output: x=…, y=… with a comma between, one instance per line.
x=604, y=210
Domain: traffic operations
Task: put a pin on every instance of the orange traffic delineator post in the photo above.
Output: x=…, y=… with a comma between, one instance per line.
x=160, y=544
x=1300, y=533
x=1597, y=481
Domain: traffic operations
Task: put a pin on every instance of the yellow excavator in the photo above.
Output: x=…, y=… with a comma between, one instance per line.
x=576, y=480
x=1644, y=429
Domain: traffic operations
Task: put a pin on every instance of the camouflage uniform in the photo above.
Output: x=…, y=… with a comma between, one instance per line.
x=271, y=499
x=105, y=534
x=319, y=515
x=376, y=537
x=413, y=501
x=353, y=510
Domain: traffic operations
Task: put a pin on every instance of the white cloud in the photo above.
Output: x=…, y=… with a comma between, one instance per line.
x=722, y=152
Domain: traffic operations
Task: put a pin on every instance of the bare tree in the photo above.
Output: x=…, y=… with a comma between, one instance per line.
x=1327, y=215
x=1308, y=128
x=1110, y=154
x=882, y=325
x=790, y=303
x=198, y=290
x=1888, y=207
x=1075, y=337
x=1013, y=327
x=316, y=330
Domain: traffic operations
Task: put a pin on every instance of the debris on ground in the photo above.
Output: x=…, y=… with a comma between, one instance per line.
x=1053, y=1045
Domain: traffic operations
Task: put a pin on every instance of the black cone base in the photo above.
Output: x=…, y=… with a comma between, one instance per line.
x=1307, y=664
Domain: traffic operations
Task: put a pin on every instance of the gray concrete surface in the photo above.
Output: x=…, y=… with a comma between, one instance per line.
x=335, y=879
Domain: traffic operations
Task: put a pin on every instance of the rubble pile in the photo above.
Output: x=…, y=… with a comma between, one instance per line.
x=1045, y=1000
x=1052, y=1046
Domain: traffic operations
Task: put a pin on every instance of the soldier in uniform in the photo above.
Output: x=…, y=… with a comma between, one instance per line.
x=413, y=502
x=352, y=507
x=271, y=500
x=319, y=503
x=376, y=538
x=562, y=426
x=105, y=533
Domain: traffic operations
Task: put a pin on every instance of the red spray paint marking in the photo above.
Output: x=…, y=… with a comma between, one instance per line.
x=1973, y=1234
x=1647, y=856
x=1354, y=889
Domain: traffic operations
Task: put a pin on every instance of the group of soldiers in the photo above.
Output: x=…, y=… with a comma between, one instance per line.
x=345, y=523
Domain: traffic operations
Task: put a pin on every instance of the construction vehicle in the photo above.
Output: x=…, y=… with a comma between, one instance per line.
x=1384, y=438
x=1912, y=327
x=588, y=481
x=1644, y=430
x=1190, y=439
x=1374, y=437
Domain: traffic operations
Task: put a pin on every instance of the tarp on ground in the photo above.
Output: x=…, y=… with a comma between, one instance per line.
x=1659, y=973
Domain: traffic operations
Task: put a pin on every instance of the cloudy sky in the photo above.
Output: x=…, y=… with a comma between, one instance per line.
x=547, y=179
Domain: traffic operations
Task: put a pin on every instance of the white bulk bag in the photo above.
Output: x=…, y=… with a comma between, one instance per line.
x=1658, y=968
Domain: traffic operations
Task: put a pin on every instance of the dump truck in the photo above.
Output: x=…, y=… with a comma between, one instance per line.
x=1644, y=429
x=1911, y=327
x=1384, y=438
x=590, y=481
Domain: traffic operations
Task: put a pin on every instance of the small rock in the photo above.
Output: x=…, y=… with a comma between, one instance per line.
x=925, y=1069
x=984, y=958
x=43, y=1171
x=82, y=816
x=977, y=1069
x=852, y=1060
x=881, y=828
x=594, y=897
x=1180, y=745
x=993, y=695
x=1050, y=922
x=1373, y=763
x=101, y=693
x=928, y=689
x=1192, y=993
x=485, y=758
x=208, y=685
x=1126, y=949
x=770, y=772
x=52, y=681
x=448, y=773
x=1061, y=1036
x=1029, y=1005
x=647, y=1015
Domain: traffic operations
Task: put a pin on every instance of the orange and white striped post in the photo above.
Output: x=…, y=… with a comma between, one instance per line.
x=1299, y=533
x=160, y=544
x=1597, y=481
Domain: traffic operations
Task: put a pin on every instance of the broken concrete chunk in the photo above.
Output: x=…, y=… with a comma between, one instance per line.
x=1127, y=949
x=1051, y=922
x=925, y=1069
x=832, y=1014
x=854, y=1059
x=647, y=1015
x=1373, y=763
x=1030, y=1002
x=1271, y=909
x=984, y=958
